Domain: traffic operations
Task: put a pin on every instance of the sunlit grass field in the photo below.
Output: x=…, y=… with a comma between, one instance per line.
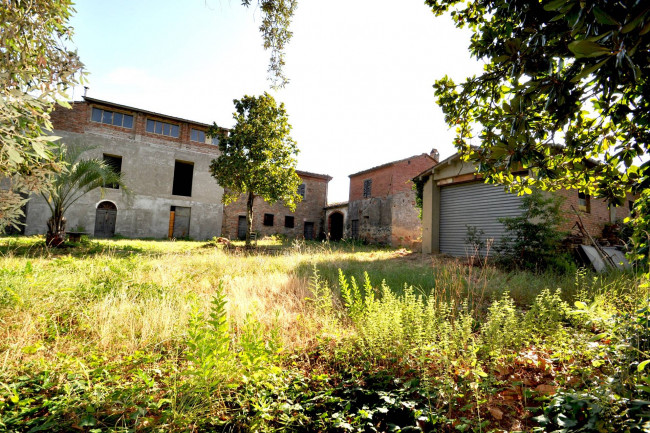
x=119, y=335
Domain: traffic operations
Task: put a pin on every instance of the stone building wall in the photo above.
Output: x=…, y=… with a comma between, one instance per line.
x=309, y=210
x=148, y=162
x=389, y=216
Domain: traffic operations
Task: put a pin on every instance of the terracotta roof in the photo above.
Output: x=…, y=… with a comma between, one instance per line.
x=336, y=204
x=388, y=164
x=319, y=176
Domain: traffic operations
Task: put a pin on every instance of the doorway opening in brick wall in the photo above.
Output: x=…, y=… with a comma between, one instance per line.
x=309, y=231
x=335, y=224
x=241, y=227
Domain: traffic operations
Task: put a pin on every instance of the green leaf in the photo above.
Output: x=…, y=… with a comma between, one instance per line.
x=554, y=5
x=642, y=365
x=602, y=16
x=585, y=49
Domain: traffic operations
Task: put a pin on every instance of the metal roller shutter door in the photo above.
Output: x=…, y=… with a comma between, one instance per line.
x=473, y=204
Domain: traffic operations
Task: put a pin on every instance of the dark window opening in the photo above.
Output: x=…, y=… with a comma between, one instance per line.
x=268, y=219
x=115, y=163
x=367, y=188
x=112, y=118
x=163, y=128
x=630, y=203
x=354, y=229
x=197, y=135
x=289, y=222
x=584, y=202
x=183, y=173
x=301, y=190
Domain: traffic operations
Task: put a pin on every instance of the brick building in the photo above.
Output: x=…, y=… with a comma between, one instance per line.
x=271, y=219
x=455, y=198
x=165, y=162
x=381, y=205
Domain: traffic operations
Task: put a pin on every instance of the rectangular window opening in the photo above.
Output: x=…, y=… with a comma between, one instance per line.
x=183, y=173
x=367, y=188
x=197, y=135
x=301, y=190
x=268, y=219
x=115, y=163
x=289, y=222
x=111, y=118
x=354, y=229
x=163, y=128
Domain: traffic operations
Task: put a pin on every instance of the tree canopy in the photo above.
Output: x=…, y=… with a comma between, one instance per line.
x=257, y=155
x=565, y=94
x=36, y=69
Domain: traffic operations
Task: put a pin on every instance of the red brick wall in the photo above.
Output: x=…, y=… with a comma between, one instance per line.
x=71, y=119
x=77, y=119
x=593, y=220
x=390, y=179
x=311, y=209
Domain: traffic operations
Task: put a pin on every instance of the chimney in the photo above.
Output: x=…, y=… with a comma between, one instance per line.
x=435, y=154
x=85, y=90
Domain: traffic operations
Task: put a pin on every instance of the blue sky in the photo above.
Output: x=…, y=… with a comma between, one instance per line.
x=361, y=71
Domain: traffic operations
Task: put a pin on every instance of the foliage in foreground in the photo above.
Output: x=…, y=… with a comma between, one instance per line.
x=378, y=358
x=37, y=69
x=565, y=84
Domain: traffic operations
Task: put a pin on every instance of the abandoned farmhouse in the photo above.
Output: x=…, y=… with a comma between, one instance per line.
x=165, y=162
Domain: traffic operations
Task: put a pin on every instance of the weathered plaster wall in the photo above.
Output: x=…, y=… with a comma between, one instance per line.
x=148, y=169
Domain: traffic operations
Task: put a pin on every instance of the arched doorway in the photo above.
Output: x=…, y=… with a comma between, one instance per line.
x=335, y=223
x=105, y=217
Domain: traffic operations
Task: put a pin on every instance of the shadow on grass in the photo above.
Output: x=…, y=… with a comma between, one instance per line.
x=35, y=247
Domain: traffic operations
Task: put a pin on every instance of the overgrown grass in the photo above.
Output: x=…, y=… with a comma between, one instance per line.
x=123, y=335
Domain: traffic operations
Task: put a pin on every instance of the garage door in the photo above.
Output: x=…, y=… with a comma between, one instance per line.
x=474, y=204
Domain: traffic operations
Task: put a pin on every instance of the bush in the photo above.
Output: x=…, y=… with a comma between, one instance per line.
x=533, y=240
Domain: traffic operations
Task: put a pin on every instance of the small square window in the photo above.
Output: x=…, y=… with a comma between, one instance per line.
x=197, y=135
x=289, y=222
x=367, y=188
x=268, y=219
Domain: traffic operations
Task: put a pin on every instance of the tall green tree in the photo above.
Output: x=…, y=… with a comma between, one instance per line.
x=78, y=177
x=566, y=83
x=258, y=156
x=36, y=69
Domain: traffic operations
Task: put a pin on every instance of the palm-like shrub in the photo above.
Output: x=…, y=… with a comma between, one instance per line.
x=78, y=178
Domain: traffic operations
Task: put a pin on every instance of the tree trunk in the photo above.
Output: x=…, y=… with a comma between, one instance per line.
x=249, y=218
x=55, y=229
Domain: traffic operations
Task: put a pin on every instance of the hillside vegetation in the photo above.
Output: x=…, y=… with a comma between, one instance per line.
x=125, y=335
